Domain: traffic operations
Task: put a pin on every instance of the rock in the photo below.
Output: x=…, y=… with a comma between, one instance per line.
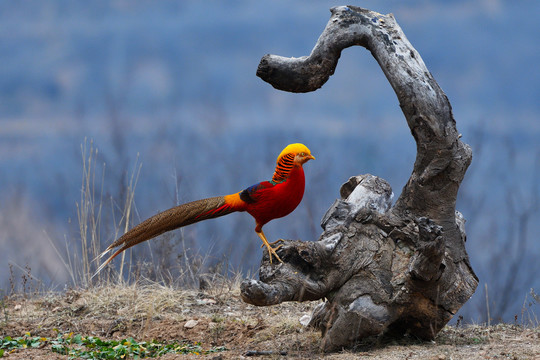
x=190, y=324
x=304, y=320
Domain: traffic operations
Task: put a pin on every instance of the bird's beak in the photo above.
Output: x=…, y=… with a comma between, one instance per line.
x=311, y=157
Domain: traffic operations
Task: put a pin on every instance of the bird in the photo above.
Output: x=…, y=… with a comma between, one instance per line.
x=264, y=201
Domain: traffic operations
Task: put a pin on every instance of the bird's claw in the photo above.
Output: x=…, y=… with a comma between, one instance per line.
x=272, y=251
x=275, y=242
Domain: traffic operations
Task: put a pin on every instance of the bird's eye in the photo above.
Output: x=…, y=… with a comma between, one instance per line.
x=302, y=154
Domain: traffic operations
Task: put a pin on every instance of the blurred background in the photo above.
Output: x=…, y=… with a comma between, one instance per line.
x=116, y=110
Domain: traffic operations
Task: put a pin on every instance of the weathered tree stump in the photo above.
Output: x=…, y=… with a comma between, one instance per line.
x=382, y=269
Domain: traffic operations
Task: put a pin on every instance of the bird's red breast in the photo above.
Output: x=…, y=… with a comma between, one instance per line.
x=266, y=201
x=278, y=197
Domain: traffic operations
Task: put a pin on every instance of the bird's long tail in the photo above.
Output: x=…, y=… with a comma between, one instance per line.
x=168, y=220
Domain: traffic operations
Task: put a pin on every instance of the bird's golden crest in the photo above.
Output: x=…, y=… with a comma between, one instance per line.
x=296, y=148
x=287, y=160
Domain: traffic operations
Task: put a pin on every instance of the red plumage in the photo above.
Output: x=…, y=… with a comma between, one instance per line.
x=276, y=201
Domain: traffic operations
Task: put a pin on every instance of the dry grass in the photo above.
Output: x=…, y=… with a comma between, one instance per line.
x=149, y=311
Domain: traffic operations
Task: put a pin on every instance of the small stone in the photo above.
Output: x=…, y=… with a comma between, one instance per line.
x=207, y=301
x=17, y=307
x=439, y=357
x=304, y=320
x=190, y=324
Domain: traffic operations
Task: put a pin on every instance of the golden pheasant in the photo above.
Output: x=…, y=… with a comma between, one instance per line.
x=264, y=201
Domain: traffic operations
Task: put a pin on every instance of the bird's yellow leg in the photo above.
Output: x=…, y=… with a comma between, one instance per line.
x=270, y=249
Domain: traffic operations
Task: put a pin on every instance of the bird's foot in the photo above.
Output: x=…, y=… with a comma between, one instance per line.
x=275, y=242
x=272, y=251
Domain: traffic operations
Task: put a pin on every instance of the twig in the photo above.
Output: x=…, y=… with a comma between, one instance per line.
x=262, y=353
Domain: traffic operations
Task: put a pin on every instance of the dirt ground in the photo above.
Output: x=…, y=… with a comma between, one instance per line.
x=219, y=318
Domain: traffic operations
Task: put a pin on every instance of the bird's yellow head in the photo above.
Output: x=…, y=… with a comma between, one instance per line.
x=300, y=151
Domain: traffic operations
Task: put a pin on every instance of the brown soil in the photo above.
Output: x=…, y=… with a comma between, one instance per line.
x=222, y=319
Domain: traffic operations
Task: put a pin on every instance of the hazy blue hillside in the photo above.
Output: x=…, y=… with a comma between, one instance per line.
x=173, y=85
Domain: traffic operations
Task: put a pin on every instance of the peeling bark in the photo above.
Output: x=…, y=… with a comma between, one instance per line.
x=382, y=269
